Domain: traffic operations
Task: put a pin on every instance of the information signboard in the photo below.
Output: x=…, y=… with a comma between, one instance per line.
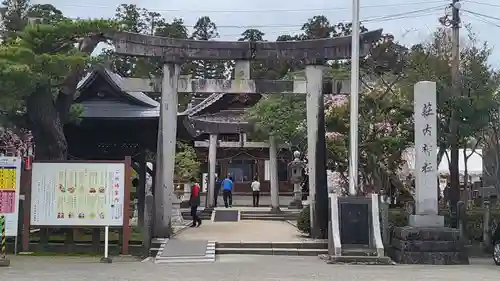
x=10, y=181
x=77, y=194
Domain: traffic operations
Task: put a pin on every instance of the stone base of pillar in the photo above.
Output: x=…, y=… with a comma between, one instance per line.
x=186, y=196
x=409, y=246
x=275, y=210
x=426, y=221
x=176, y=213
x=4, y=262
x=295, y=204
x=106, y=260
x=185, y=204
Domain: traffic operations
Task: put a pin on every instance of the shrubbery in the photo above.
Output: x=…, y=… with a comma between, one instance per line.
x=303, y=221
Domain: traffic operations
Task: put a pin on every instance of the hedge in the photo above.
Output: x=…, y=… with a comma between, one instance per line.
x=397, y=217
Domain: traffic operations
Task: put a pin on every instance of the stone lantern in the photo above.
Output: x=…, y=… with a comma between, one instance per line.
x=296, y=176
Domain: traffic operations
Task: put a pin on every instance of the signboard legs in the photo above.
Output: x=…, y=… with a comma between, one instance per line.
x=3, y=250
x=106, y=258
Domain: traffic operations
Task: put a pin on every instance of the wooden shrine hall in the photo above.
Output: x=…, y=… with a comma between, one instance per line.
x=115, y=123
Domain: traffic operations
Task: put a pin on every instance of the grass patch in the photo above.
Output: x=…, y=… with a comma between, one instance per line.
x=60, y=254
x=85, y=235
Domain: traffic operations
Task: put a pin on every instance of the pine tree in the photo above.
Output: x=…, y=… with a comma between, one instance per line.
x=205, y=29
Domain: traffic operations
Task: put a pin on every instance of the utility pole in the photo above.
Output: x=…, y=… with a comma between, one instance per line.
x=354, y=111
x=454, y=122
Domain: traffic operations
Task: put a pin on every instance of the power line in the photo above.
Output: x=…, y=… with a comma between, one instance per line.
x=382, y=19
x=483, y=18
x=404, y=14
x=482, y=3
x=268, y=10
x=481, y=15
x=375, y=19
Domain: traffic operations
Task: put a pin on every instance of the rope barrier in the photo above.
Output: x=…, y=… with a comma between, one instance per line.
x=3, y=251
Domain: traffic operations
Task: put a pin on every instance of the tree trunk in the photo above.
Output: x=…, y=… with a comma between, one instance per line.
x=47, y=117
x=440, y=154
x=46, y=125
x=467, y=191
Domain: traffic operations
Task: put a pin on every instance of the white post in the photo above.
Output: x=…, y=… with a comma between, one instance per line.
x=106, y=241
x=314, y=76
x=353, y=139
x=426, y=209
x=168, y=115
x=106, y=258
x=273, y=169
x=212, y=160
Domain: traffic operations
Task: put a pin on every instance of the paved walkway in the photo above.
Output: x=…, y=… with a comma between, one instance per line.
x=245, y=230
x=242, y=268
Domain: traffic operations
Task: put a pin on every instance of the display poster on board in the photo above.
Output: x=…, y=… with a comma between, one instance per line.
x=77, y=194
x=10, y=182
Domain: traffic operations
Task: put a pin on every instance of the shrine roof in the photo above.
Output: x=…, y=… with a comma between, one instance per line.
x=113, y=109
x=204, y=104
x=223, y=116
x=102, y=96
x=222, y=122
x=220, y=102
x=216, y=114
x=111, y=100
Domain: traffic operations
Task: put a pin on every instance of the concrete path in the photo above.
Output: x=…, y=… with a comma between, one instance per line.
x=242, y=268
x=245, y=230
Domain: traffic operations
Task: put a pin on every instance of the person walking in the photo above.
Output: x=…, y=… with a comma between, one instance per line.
x=194, y=202
x=255, y=192
x=216, y=191
x=227, y=191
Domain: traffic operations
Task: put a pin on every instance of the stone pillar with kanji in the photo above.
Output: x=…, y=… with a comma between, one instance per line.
x=426, y=240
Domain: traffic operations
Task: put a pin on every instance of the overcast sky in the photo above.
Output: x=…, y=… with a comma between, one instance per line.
x=409, y=20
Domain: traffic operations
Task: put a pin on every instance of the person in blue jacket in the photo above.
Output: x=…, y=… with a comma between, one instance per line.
x=227, y=191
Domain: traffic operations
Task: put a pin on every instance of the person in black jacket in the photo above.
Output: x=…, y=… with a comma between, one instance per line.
x=194, y=202
x=216, y=191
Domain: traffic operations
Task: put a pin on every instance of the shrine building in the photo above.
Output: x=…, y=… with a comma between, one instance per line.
x=115, y=123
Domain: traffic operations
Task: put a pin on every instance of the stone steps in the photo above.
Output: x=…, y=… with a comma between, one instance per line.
x=355, y=252
x=372, y=260
x=208, y=255
x=269, y=216
x=155, y=246
x=204, y=215
x=272, y=248
x=271, y=251
x=251, y=215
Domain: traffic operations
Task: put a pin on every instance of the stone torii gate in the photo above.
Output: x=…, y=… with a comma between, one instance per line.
x=174, y=52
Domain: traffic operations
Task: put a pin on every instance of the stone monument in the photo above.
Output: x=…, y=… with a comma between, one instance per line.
x=426, y=240
x=296, y=176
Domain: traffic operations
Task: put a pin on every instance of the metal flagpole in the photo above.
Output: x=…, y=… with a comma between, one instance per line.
x=353, y=146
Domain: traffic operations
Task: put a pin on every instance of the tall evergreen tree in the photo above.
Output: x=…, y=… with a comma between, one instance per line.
x=206, y=29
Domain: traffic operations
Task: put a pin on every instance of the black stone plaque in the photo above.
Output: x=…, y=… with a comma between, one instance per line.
x=354, y=224
x=226, y=215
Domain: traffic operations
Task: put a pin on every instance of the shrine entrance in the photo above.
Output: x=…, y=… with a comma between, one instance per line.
x=175, y=52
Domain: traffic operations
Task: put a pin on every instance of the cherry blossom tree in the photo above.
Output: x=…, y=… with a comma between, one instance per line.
x=15, y=143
